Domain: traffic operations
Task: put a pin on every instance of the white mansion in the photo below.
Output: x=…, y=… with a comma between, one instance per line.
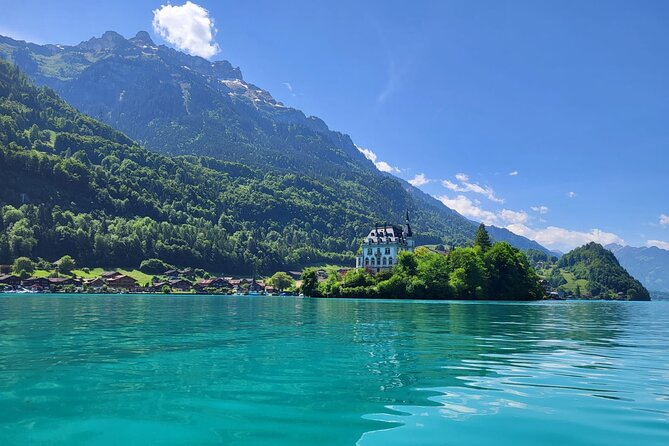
x=381, y=247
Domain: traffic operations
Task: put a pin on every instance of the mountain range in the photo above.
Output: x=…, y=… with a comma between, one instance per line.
x=181, y=105
x=648, y=264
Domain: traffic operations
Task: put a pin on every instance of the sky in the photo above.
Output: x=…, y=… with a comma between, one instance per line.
x=550, y=118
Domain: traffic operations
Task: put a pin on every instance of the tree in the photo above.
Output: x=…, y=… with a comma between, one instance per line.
x=66, y=264
x=281, y=280
x=154, y=266
x=310, y=283
x=22, y=266
x=482, y=238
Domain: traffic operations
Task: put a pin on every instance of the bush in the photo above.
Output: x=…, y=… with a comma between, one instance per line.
x=154, y=266
x=66, y=264
x=23, y=265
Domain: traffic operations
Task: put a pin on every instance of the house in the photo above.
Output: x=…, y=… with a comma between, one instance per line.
x=171, y=273
x=122, y=282
x=212, y=283
x=180, y=284
x=187, y=273
x=379, y=250
x=295, y=275
x=10, y=280
x=110, y=274
x=157, y=287
x=94, y=283
x=37, y=283
x=63, y=281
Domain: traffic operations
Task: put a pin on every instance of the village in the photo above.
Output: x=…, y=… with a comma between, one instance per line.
x=184, y=280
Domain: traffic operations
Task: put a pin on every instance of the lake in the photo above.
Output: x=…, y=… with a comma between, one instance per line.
x=126, y=369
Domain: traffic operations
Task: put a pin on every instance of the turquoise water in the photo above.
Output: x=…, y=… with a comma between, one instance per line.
x=109, y=370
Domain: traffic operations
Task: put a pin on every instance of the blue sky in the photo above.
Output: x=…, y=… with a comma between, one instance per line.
x=548, y=117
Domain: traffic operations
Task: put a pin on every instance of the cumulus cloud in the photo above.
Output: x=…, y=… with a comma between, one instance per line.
x=472, y=209
x=381, y=165
x=188, y=27
x=467, y=186
x=514, y=217
x=513, y=174
x=571, y=194
x=419, y=180
x=540, y=209
x=658, y=244
x=664, y=219
x=468, y=208
x=564, y=239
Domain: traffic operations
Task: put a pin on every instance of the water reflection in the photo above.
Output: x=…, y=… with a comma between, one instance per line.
x=252, y=370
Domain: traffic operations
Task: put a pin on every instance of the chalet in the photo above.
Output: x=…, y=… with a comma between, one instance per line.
x=63, y=281
x=110, y=275
x=41, y=283
x=94, y=283
x=295, y=275
x=180, y=284
x=122, y=282
x=158, y=286
x=215, y=283
x=8, y=279
x=379, y=250
x=172, y=273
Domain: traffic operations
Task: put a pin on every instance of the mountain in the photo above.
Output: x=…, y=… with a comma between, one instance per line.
x=593, y=271
x=178, y=104
x=650, y=265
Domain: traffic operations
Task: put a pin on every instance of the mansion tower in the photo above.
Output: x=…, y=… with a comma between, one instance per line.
x=381, y=247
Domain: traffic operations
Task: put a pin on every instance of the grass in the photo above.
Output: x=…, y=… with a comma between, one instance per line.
x=573, y=282
x=136, y=274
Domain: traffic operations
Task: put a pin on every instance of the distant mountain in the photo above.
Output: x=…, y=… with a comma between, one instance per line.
x=592, y=271
x=178, y=104
x=650, y=265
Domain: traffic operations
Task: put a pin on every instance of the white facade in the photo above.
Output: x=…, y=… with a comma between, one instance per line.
x=382, y=246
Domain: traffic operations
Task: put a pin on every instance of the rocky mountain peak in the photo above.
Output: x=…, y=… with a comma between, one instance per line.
x=110, y=40
x=142, y=38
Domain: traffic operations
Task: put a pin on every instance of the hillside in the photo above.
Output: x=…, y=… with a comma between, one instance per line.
x=650, y=265
x=592, y=271
x=175, y=103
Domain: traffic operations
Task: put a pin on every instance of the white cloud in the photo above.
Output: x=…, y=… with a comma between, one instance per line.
x=468, y=208
x=514, y=173
x=467, y=186
x=472, y=209
x=513, y=217
x=381, y=165
x=419, y=180
x=571, y=194
x=540, y=209
x=188, y=27
x=564, y=239
x=664, y=219
x=658, y=244
x=288, y=86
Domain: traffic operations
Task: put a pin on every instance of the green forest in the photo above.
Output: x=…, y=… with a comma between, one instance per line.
x=72, y=185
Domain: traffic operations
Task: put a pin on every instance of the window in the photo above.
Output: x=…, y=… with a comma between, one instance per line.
x=366, y=262
x=378, y=250
x=373, y=261
x=384, y=260
x=390, y=260
x=387, y=251
x=369, y=251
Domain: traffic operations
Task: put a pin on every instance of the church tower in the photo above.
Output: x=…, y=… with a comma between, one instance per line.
x=408, y=234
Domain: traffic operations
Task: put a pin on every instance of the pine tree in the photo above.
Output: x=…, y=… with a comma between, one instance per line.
x=482, y=238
